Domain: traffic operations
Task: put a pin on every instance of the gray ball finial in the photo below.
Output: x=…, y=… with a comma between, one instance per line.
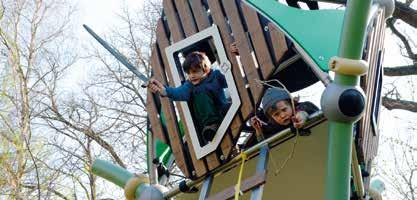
x=342, y=103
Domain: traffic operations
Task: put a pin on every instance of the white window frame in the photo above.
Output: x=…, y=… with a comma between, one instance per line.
x=225, y=67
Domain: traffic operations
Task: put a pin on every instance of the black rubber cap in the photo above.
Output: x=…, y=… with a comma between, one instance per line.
x=351, y=103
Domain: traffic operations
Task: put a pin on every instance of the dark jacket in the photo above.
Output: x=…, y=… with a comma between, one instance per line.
x=213, y=85
x=272, y=128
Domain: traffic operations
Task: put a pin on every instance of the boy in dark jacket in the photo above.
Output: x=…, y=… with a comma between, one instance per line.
x=278, y=113
x=204, y=92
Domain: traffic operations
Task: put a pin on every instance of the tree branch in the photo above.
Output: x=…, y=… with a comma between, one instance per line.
x=404, y=40
x=391, y=104
x=406, y=70
x=405, y=13
x=56, y=192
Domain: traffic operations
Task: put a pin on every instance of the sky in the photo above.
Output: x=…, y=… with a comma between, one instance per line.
x=100, y=16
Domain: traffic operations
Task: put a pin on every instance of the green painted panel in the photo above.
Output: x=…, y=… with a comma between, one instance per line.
x=316, y=31
x=302, y=178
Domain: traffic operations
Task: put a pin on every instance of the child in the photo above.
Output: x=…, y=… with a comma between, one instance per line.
x=204, y=92
x=278, y=113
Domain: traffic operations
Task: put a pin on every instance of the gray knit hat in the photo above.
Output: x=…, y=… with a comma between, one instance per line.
x=273, y=95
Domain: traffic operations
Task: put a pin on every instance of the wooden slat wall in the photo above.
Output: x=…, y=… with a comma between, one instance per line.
x=220, y=20
x=279, y=45
x=185, y=18
x=259, y=42
x=169, y=111
x=242, y=43
x=375, y=44
x=156, y=126
x=373, y=147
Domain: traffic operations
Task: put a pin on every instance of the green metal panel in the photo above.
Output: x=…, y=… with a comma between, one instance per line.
x=302, y=178
x=316, y=31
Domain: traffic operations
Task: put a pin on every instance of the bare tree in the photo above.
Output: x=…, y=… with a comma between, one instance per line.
x=398, y=167
x=404, y=17
x=29, y=33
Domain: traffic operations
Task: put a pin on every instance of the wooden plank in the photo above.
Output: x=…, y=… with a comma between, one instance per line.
x=246, y=185
x=199, y=166
x=200, y=14
x=258, y=39
x=379, y=40
x=173, y=20
x=151, y=108
x=219, y=19
x=279, y=45
x=242, y=44
x=368, y=81
x=171, y=120
x=187, y=19
x=226, y=145
x=212, y=161
x=370, y=88
x=236, y=127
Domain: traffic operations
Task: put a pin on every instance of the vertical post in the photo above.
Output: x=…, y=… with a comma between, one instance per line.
x=205, y=189
x=260, y=167
x=150, y=149
x=340, y=131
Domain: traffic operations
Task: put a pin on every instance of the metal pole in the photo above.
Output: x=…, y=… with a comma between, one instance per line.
x=111, y=172
x=340, y=133
x=261, y=166
x=205, y=189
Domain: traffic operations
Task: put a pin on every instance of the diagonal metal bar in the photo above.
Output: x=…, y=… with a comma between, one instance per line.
x=120, y=57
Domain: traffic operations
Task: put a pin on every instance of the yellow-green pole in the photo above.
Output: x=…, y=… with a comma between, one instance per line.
x=340, y=131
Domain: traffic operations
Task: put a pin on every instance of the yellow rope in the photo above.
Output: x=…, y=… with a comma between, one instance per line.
x=239, y=180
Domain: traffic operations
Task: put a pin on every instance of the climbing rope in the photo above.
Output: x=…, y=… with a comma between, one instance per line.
x=291, y=155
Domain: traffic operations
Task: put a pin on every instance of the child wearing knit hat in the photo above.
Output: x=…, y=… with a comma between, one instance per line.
x=277, y=109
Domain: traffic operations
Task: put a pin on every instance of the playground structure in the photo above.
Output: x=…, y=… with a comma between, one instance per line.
x=275, y=42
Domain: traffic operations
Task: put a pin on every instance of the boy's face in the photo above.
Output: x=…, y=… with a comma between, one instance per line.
x=283, y=113
x=196, y=75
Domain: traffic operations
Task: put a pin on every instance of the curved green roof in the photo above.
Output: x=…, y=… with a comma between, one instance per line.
x=317, y=32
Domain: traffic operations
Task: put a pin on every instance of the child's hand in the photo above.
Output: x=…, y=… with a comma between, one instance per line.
x=234, y=49
x=156, y=87
x=299, y=119
x=256, y=123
